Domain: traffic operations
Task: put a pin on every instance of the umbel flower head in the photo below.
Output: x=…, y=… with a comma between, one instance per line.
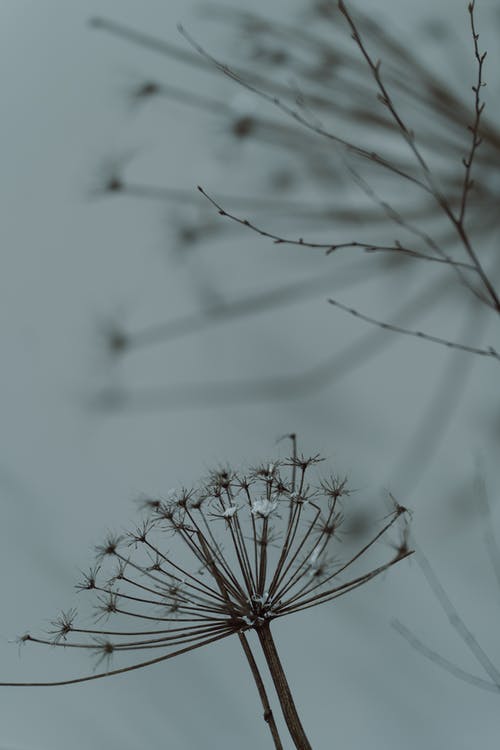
x=238, y=552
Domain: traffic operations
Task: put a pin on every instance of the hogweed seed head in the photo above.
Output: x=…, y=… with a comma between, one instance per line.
x=249, y=549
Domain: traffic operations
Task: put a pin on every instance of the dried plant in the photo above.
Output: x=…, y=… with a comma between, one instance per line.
x=432, y=152
x=470, y=271
x=253, y=548
x=456, y=621
x=250, y=548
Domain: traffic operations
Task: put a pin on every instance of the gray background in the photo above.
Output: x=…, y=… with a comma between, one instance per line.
x=72, y=260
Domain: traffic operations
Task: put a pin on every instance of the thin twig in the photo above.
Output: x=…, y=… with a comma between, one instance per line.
x=396, y=217
x=409, y=137
x=478, y=108
x=111, y=672
x=489, y=352
x=329, y=246
x=386, y=99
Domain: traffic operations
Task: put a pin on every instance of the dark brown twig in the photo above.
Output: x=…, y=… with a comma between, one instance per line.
x=409, y=137
x=489, y=352
x=332, y=247
x=476, y=139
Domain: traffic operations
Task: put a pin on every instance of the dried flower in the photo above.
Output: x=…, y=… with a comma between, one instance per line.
x=263, y=507
x=270, y=558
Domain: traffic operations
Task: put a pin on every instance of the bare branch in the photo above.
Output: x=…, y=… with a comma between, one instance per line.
x=489, y=352
x=409, y=137
x=478, y=108
x=332, y=247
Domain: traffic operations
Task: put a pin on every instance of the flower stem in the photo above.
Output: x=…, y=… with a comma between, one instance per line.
x=282, y=688
x=268, y=714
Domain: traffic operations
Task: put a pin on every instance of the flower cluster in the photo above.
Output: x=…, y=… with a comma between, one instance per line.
x=249, y=548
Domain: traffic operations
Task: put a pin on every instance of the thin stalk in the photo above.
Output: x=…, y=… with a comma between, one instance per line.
x=268, y=714
x=282, y=688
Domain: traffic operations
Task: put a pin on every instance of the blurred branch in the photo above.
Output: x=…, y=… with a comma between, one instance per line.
x=441, y=661
x=422, y=446
x=489, y=537
x=296, y=115
x=459, y=627
x=226, y=393
x=121, y=341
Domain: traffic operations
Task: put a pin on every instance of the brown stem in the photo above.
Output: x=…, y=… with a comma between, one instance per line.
x=282, y=688
x=268, y=714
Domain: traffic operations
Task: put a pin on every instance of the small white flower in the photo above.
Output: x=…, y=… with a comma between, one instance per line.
x=314, y=561
x=229, y=512
x=317, y=563
x=263, y=508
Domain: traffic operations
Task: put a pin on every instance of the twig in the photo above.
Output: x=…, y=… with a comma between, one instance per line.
x=478, y=107
x=409, y=137
x=489, y=352
x=118, y=185
x=385, y=98
x=396, y=217
x=332, y=247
